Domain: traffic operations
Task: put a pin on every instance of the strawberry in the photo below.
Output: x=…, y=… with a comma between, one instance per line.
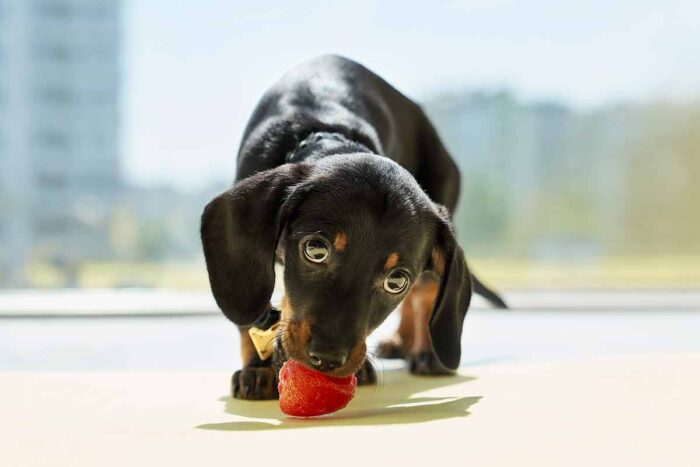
x=308, y=393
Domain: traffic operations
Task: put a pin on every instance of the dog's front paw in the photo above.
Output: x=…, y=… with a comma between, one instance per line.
x=391, y=349
x=426, y=363
x=366, y=374
x=254, y=383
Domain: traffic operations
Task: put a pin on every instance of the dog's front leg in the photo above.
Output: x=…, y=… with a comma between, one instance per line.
x=257, y=380
x=421, y=356
x=412, y=340
x=366, y=375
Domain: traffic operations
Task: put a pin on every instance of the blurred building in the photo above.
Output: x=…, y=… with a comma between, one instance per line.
x=159, y=223
x=59, y=130
x=538, y=179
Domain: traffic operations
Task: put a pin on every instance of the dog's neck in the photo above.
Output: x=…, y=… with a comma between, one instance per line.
x=320, y=144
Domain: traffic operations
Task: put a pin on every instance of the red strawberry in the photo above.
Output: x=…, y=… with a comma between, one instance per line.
x=308, y=393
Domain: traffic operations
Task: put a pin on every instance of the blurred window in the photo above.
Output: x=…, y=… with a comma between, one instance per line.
x=578, y=145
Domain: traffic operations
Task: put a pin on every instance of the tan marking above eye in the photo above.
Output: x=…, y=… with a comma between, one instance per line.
x=341, y=241
x=391, y=261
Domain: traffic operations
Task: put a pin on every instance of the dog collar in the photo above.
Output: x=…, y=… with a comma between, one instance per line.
x=262, y=340
x=263, y=332
x=297, y=154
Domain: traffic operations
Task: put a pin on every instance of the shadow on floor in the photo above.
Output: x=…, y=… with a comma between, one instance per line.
x=389, y=403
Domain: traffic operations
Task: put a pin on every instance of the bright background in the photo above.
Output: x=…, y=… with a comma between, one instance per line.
x=575, y=126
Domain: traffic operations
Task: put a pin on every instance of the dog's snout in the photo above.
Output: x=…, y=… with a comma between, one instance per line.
x=326, y=360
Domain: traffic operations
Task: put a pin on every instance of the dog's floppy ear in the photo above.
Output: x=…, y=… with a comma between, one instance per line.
x=239, y=231
x=447, y=261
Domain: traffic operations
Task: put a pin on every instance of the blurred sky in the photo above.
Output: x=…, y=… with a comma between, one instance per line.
x=194, y=70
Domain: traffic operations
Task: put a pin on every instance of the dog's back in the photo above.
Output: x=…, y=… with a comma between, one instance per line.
x=332, y=93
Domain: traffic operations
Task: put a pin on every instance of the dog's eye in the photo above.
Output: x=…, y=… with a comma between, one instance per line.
x=397, y=281
x=316, y=250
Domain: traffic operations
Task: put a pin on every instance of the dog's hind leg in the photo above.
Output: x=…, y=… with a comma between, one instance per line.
x=412, y=340
x=398, y=345
x=421, y=358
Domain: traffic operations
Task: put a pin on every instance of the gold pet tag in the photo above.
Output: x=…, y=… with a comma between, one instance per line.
x=263, y=340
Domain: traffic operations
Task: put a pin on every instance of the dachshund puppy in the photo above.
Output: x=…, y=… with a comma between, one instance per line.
x=345, y=182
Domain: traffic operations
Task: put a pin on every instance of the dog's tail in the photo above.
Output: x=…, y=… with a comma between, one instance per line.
x=492, y=297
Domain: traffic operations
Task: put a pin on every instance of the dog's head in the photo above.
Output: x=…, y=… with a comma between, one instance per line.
x=354, y=232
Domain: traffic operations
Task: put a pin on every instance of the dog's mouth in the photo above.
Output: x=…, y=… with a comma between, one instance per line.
x=295, y=336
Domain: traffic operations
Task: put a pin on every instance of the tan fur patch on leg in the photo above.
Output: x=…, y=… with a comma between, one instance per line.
x=407, y=325
x=423, y=302
x=398, y=345
x=248, y=351
x=438, y=261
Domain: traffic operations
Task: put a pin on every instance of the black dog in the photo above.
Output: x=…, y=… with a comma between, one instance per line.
x=345, y=182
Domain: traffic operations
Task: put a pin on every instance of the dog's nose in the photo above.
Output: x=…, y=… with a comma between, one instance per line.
x=327, y=360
